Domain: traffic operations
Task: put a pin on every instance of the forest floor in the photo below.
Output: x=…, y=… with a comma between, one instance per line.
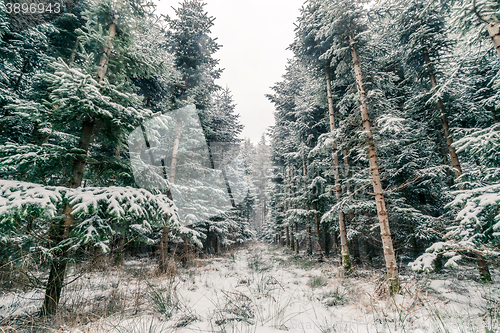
x=259, y=288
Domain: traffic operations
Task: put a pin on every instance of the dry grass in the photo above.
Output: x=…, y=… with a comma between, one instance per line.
x=95, y=293
x=135, y=297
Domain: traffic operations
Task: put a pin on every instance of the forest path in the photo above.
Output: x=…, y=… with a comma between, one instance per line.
x=264, y=288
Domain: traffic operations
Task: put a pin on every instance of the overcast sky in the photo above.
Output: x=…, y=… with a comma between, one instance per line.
x=254, y=35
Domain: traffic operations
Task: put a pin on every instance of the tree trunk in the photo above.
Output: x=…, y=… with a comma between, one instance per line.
x=119, y=256
x=73, y=52
x=308, y=226
x=296, y=239
x=482, y=264
x=81, y=160
x=326, y=236
x=363, y=255
x=285, y=206
x=308, y=241
x=287, y=236
x=293, y=195
x=335, y=245
x=54, y=287
x=444, y=120
x=263, y=213
x=484, y=271
x=186, y=254
x=164, y=251
x=23, y=71
x=316, y=224
x=390, y=258
x=58, y=265
x=442, y=147
x=285, y=189
x=108, y=47
x=349, y=188
x=346, y=258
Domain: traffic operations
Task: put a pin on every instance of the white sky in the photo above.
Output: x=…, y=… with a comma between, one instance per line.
x=254, y=35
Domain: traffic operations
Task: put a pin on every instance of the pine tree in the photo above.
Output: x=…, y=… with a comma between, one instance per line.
x=193, y=49
x=350, y=29
x=310, y=46
x=100, y=108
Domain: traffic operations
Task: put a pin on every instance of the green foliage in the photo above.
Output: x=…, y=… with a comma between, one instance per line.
x=399, y=45
x=165, y=300
x=317, y=281
x=50, y=91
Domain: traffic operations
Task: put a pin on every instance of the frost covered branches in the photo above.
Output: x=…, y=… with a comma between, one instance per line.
x=97, y=210
x=401, y=97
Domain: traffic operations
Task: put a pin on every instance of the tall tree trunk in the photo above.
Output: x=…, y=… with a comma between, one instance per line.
x=293, y=194
x=308, y=226
x=263, y=215
x=81, y=160
x=349, y=187
x=54, y=287
x=185, y=256
x=455, y=162
x=120, y=249
x=390, y=258
x=296, y=238
x=287, y=190
x=164, y=251
x=23, y=71
x=163, y=258
x=335, y=245
x=308, y=240
x=346, y=257
x=73, y=52
x=58, y=265
x=316, y=224
x=363, y=255
x=108, y=47
x=442, y=147
x=326, y=236
x=444, y=119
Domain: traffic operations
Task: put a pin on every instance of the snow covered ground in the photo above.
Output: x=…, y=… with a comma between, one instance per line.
x=263, y=288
